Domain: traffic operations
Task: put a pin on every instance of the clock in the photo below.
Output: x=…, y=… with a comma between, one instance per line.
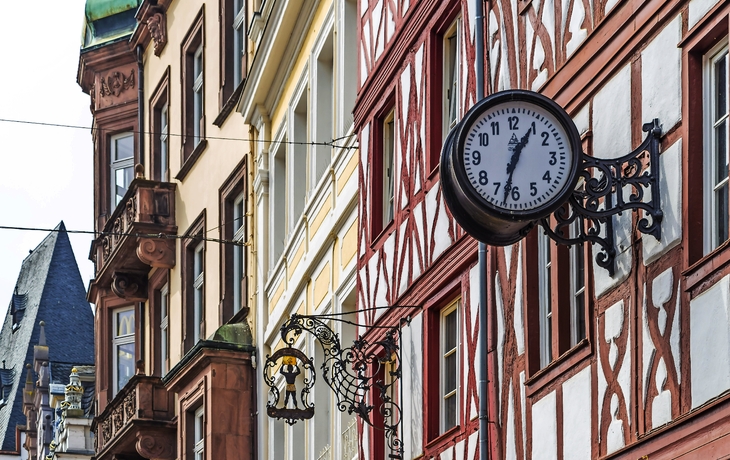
x=512, y=160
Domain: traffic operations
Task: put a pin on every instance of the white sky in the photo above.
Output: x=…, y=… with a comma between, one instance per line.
x=45, y=172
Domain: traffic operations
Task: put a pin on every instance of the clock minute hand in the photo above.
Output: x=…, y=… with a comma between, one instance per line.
x=513, y=162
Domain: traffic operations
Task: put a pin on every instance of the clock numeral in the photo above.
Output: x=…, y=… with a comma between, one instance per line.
x=495, y=128
x=553, y=159
x=534, y=129
x=483, y=178
x=496, y=189
x=546, y=176
x=515, y=193
x=483, y=139
x=476, y=157
x=513, y=123
x=533, y=188
x=545, y=137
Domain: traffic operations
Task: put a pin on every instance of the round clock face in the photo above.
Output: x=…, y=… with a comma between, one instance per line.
x=517, y=156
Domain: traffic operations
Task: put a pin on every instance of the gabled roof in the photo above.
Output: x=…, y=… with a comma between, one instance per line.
x=50, y=282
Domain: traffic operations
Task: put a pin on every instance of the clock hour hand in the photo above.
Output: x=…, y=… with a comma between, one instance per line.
x=516, y=151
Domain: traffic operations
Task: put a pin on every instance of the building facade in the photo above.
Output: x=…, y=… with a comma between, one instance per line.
x=175, y=354
x=582, y=364
x=298, y=100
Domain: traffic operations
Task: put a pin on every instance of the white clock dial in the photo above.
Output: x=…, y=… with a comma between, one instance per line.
x=517, y=156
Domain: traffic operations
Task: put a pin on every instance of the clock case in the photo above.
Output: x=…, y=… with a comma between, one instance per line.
x=481, y=219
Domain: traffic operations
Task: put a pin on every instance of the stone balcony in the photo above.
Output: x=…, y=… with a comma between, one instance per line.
x=137, y=423
x=134, y=240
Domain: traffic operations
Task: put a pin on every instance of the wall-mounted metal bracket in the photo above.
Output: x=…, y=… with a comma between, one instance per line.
x=353, y=373
x=608, y=187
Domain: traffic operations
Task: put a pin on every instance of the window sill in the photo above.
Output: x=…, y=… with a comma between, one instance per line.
x=446, y=435
x=188, y=164
x=229, y=105
x=384, y=234
x=560, y=366
x=706, y=266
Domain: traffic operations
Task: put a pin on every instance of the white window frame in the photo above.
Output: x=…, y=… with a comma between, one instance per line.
x=450, y=91
x=278, y=203
x=198, y=100
x=389, y=137
x=239, y=255
x=346, y=63
x=444, y=393
x=577, y=288
x=164, y=330
x=324, y=92
x=545, y=267
x=239, y=40
x=119, y=340
x=711, y=237
x=116, y=165
x=199, y=433
x=164, y=144
x=298, y=153
x=198, y=290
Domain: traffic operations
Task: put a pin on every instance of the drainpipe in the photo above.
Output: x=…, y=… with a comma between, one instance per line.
x=140, y=105
x=483, y=309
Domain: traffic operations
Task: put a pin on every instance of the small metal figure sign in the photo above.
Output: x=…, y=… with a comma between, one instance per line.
x=295, y=368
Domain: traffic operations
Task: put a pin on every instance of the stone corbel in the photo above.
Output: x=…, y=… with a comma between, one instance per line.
x=130, y=286
x=156, y=252
x=157, y=25
x=158, y=447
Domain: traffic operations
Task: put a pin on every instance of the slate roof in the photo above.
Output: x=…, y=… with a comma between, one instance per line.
x=50, y=282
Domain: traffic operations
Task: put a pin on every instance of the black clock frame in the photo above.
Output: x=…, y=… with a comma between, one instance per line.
x=480, y=218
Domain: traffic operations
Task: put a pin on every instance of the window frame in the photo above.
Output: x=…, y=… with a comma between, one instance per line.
x=193, y=285
x=233, y=71
x=233, y=190
x=159, y=107
x=159, y=322
x=192, y=54
x=380, y=221
x=121, y=340
x=116, y=165
x=445, y=393
x=199, y=433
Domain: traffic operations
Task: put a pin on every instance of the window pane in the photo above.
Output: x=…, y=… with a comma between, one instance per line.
x=721, y=210
x=450, y=331
x=125, y=364
x=721, y=152
x=721, y=87
x=125, y=323
x=123, y=147
x=449, y=372
x=450, y=412
x=122, y=179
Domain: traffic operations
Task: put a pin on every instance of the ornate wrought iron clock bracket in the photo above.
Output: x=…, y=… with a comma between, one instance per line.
x=352, y=373
x=608, y=187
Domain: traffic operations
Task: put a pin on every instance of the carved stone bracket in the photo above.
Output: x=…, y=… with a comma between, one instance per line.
x=157, y=25
x=116, y=83
x=156, y=252
x=156, y=447
x=130, y=286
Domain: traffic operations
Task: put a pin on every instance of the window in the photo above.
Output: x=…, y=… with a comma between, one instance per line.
x=122, y=165
x=233, y=227
x=388, y=171
x=233, y=55
x=559, y=302
x=193, y=88
x=164, y=330
x=347, y=63
x=239, y=41
x=160, y=130
x=199, y=435
x=278, y=222
x=324, y=89
x=193, y=283
x=716, y=147
x=123, y=347
x=450, y=103
x=298, y=153
x=449, y=366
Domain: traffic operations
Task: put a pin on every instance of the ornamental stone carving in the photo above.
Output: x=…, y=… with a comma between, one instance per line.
x=155, y=447
x=116, y=83
x=157, y=25
x=157, y=252
x=130, y=286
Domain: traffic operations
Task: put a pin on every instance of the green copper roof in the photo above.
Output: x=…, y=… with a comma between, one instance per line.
x=98, y=9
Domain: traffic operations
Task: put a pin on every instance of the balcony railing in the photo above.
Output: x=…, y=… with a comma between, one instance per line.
x=138, y=421
x=135, y=239
x=349, y=441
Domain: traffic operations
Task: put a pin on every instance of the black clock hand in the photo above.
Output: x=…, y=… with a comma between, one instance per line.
x=513, y=162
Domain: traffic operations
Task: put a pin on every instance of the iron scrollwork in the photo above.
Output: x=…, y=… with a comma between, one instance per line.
x=363, y=376
x=608, y=187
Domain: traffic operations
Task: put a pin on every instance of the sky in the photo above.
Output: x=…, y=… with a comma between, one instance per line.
x=46, y=173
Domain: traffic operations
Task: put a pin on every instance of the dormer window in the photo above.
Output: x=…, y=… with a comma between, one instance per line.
x=17, y=308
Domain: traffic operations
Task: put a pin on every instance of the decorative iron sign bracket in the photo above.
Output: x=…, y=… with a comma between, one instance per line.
x=363, y=377
x=608, y=187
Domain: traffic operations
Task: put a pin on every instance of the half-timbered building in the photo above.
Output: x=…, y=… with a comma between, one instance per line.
x=581, y=363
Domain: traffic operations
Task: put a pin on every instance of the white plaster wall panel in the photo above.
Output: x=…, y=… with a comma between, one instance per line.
x=404, y=255
x=500, y=331
x=661, y=77
x=378, y=32
x=582, y=118
x=577, y=416
x=670, y=188
x=474, y=303
x=494, y=43
x=441, y=229
x=710, y=342
x=613, y=327
x=661, y=406
x=545, y=429
x=602, y=386
x=674, y=339
x=447, y=454
x=648, y=349
x=473, y=441
x=523, y=405
x=508, y=257
x=422, y=238
x=609, y=5
x=504, y=72
x=412, y=355
x=364, y=51
x=624, y=375
x=390, y=26
x=460, y=446
x=612, y=139
x=615, y=439
x=537, y=63
x=697, y=9
x=510, y=438
x=578, y=35
x=518, y=323
x=364, y=220
x=403, y=140
x=386, y=274
x=661, y=293
x=418, y=59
